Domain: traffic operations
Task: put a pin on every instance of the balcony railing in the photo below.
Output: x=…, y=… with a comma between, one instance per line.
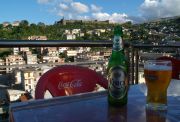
x=131, y=50
x=55, y=43
x=135, y=49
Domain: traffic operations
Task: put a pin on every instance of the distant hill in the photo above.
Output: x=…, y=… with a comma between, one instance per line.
x=163, y=19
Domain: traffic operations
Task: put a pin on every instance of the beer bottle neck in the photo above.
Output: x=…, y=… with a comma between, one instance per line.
x=118, y=43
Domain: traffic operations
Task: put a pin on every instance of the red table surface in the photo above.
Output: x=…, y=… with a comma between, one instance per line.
x=93, y=107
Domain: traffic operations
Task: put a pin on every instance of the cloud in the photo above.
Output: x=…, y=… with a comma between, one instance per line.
x=63, y=6
x=101, y=16
x=79, y=7
x=95, y=8
x=115, y=17
x=77, y=10
x=70, y=9
x=160, y=8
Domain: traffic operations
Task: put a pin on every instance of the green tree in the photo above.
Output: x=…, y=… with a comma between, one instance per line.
x=63, y=55
x=41, y=24
x=1, y=26
x=24, y=23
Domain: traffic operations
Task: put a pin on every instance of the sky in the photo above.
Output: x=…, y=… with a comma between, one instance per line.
x=49, y=11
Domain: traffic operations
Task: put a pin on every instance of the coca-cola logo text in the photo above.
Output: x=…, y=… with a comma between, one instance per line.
x=71, y=84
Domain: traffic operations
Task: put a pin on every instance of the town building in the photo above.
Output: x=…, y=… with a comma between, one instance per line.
x=96, y=57
x=31, y=59
x=72, y=52
x=99, y=31
x=52, y=51
x=81, y=34
x=24, y=49
x=63, y=49
x=51, y=55
x=70, y=36
x=2, y=62
x=26, y=78
x=15, y=50
x=37, y=38
x=13, y=95
x=53, y=59
x=5, y=24
x=76, y=31
x=13, y=60
x=16, y=23
x=16, y=78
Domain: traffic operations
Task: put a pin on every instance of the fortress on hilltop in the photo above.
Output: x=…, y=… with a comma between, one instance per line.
x=66, y=22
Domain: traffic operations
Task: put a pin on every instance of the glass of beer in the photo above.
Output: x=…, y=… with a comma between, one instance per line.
x=157, y=77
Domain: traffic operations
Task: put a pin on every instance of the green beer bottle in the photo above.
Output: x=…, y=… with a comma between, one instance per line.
x=117, y=71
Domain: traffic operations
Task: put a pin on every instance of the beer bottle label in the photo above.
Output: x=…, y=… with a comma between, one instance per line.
x=117, y=86
x=117, y=43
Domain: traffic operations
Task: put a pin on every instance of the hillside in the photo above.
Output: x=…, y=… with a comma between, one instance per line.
x=148, y=32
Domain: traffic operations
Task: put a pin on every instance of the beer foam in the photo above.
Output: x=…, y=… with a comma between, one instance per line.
x=157, y=67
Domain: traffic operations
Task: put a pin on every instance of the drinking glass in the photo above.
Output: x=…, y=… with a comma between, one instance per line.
x=157, y=77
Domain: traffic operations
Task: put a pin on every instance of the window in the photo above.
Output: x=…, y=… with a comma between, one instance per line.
x=25, y=75
x=31, y=74
x=29, y=81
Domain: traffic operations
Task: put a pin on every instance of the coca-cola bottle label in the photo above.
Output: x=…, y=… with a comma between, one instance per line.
x=117, y=86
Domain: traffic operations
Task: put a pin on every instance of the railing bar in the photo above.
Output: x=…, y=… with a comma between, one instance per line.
x=132, y=65
x=54, y=43
x=137, y=67
x=74, y=43
x=128, y=58
x=46, y=64
x=156, y=46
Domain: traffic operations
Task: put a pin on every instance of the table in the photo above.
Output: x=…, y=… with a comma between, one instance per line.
x=93, y=107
